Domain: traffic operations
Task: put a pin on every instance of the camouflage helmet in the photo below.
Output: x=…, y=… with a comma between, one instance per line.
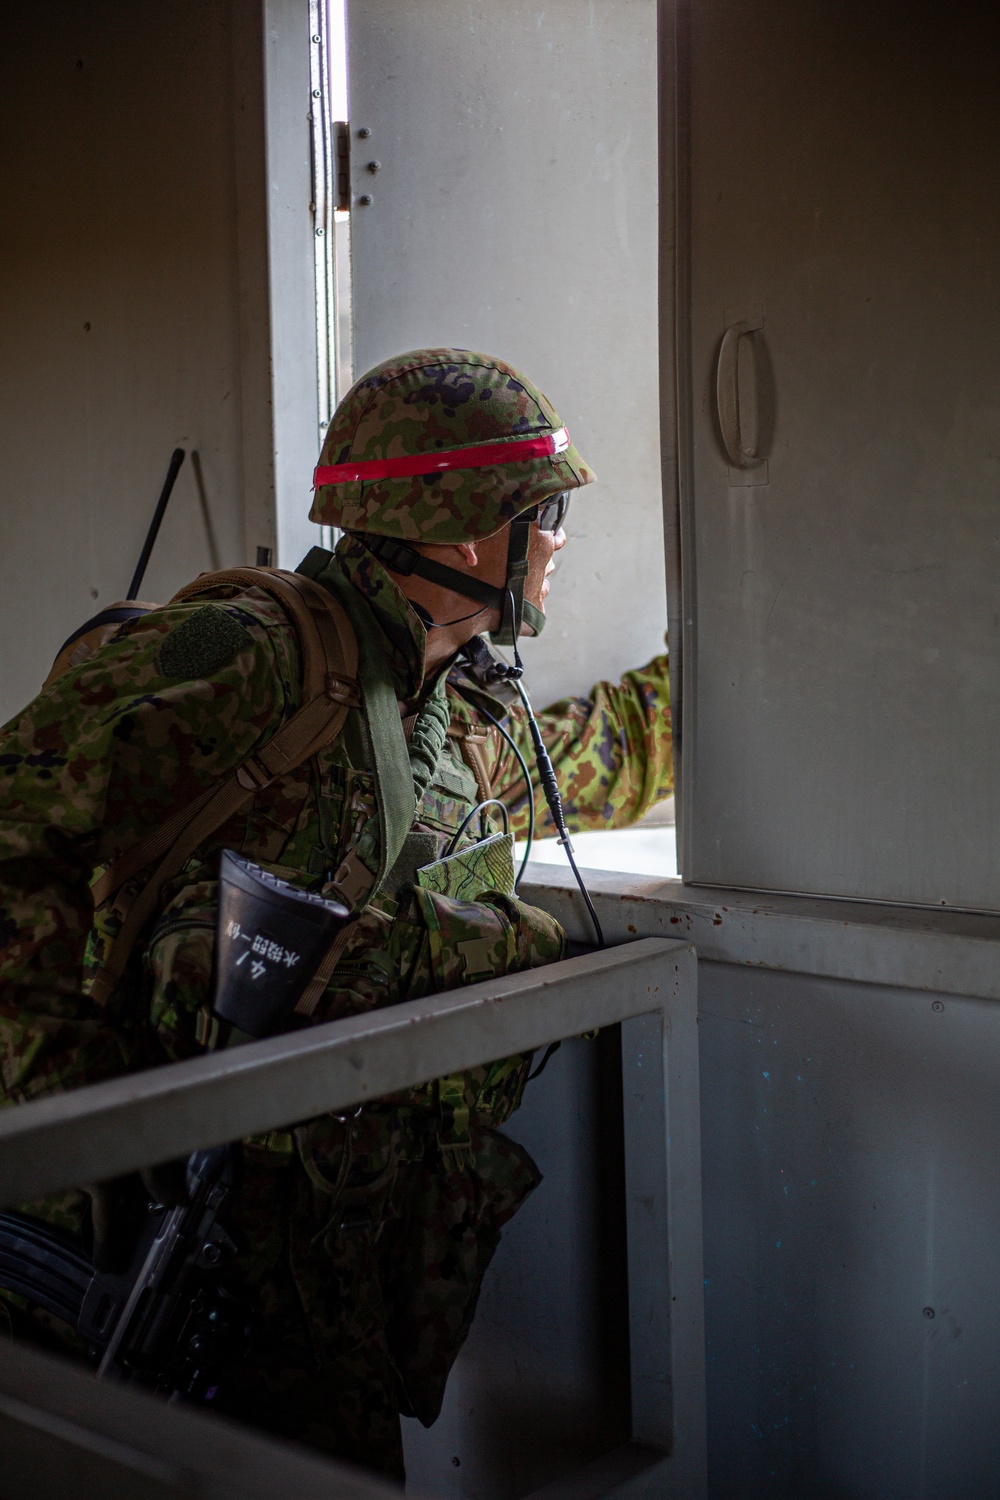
x=417, y=450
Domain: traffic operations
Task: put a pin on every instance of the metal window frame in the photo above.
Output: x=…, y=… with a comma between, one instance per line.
x=648, y=986
x=324, y=170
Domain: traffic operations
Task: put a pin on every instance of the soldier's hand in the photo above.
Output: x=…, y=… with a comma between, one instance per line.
x=118, y=1208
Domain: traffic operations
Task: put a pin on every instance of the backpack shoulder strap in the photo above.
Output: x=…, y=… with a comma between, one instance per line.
x=329, y=654
x=328, y=650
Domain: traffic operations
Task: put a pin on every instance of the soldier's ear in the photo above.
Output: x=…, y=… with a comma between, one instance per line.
x=446, y=552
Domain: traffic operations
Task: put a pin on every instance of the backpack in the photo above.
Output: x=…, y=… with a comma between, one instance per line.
x=329, y=656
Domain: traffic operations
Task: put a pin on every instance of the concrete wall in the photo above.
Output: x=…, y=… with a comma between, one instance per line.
x=133, y=307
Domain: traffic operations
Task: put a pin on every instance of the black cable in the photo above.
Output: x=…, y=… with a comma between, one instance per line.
x=550, y=1052
x=489, y=802
x=473, y=703
x=550, y=787
x=583, y=891
x=431, y=624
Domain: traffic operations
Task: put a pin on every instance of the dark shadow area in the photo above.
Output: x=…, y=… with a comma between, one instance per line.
x=542, y=1386
x=214, y=556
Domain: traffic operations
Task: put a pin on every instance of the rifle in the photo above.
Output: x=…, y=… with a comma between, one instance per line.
x=169, y=1322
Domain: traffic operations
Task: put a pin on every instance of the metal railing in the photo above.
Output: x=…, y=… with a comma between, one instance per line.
x=111, y=1128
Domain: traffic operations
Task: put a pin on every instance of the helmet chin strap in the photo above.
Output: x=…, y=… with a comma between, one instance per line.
x=508, y=601
x=512, y=608
x=532, y=617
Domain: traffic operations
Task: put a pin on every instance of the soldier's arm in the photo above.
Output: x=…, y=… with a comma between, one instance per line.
x=100, y=758
x=611, y=752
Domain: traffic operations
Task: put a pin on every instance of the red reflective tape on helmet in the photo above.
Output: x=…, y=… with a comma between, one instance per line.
x=477, y=457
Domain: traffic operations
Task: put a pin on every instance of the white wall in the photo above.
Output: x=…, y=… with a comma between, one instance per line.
x=133, y=308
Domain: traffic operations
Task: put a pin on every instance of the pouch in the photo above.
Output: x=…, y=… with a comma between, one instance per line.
x=179, y=959
x=486, y=866
x=496, y=934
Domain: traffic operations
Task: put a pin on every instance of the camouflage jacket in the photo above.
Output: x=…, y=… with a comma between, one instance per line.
x=366, y=1237
x=179, y=698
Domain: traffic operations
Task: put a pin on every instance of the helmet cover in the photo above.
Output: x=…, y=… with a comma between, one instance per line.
x=431, y=401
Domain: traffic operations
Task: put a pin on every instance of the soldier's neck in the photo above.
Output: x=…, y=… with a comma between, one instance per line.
x=447, y=617
x=443, y=646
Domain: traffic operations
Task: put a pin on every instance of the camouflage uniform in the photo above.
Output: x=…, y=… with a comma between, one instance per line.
x=367, y=1236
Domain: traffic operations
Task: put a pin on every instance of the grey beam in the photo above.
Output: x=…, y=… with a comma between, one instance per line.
x=64, y=1433
x=865, y=942
x=634, y=1471
x=111, y=1128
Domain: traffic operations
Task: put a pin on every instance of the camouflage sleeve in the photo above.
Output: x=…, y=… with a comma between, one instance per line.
x=611, y=753
x=96, y=761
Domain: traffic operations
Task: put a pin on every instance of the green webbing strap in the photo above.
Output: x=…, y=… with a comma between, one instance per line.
x=533, y=617
x=401, y=558
x=394, y=790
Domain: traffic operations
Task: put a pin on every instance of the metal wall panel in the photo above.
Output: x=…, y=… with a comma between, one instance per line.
x=514, y=210
x=851, y=1182
x=842, y=658
x=852, y=1213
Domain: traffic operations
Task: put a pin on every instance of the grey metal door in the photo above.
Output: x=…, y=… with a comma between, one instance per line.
x=839, y=331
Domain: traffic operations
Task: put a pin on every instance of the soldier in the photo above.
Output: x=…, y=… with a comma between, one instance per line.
x=366, y=1237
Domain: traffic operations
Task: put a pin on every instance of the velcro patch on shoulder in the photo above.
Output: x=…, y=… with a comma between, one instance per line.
x=205, y=642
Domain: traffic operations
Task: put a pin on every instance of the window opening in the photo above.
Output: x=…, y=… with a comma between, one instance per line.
x=647, y=848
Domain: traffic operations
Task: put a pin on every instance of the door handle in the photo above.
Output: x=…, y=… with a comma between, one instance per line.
x=727, y=392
